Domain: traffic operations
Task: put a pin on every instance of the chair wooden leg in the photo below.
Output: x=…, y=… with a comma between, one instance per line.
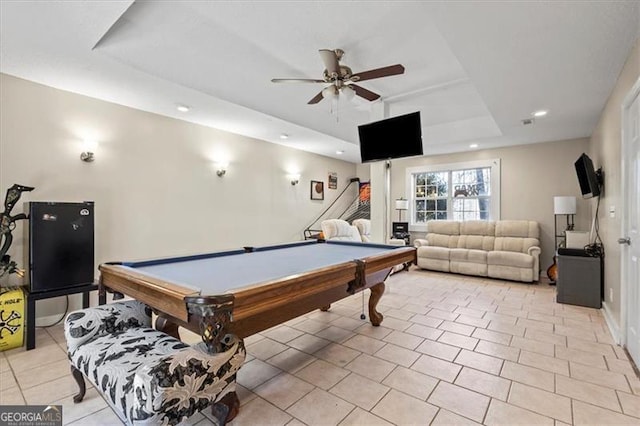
x=79, y=378
x=227, y=408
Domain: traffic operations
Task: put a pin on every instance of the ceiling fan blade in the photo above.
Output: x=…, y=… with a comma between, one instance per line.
x=330, y=61
x=317, y=98
x=378, y=72
x=364, y=93
x=295, y=80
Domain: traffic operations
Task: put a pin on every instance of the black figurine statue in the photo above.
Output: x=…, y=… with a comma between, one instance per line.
x=7, y=225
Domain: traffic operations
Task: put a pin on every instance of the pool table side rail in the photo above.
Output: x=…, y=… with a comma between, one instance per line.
x=391, y=258
x=263, y=306
x=158, y=294
x=267, y=304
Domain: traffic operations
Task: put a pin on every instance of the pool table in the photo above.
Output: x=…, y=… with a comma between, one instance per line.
x=258, y=287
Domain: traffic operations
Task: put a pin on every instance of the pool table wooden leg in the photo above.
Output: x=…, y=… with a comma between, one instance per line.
x=376, y=293
x=167, y=326
x=325, y=308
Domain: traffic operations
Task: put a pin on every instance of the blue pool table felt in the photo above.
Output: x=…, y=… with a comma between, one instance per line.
x=220, y=274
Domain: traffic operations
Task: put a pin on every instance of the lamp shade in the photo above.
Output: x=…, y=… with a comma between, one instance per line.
x=402, y=204
x=564, y=205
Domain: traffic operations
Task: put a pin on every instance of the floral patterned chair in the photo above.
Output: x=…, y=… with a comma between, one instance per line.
x=147, y=376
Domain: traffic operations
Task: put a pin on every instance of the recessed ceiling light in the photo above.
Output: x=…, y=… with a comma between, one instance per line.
x=473, y=145
x=340, y=152
x=284, y=136
x=183, y=108
x=540, y=113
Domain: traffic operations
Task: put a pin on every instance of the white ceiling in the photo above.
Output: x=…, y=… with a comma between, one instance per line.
x=473, y=69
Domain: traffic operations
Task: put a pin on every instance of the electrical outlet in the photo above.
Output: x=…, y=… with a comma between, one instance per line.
x=610, y=295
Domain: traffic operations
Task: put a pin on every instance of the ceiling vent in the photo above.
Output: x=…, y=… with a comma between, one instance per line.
x=528, y=121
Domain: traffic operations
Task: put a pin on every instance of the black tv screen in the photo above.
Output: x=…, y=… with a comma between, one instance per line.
x=395, y=137
x=587, y=177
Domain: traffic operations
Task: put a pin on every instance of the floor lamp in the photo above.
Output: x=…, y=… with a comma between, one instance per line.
x=401, y=204
x=563, y=206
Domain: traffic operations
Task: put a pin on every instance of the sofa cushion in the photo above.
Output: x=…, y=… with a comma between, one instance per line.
x=445, y=227
x=476, y=242
x=478, y=227
x=465, y=255
x=515, y=244
x=517, y=228
x=441, y=240
x=430, y=252
x=510, y=258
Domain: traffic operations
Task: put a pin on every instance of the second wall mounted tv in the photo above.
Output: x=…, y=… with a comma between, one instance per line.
x=395, y=137
x=588, y=178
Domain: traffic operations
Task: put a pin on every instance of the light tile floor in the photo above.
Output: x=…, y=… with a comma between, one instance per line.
x=451, y=350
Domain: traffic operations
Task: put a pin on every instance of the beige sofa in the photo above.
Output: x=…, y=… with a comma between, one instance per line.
x=506, y=249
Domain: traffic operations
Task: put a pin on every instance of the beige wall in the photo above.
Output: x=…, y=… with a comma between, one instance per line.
x=153, y=182
x=604, y=150
x=531, y=175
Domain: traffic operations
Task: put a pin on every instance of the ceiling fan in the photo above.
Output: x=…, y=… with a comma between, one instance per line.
x=342, y=79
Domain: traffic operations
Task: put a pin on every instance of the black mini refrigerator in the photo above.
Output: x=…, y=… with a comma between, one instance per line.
x=60, y=251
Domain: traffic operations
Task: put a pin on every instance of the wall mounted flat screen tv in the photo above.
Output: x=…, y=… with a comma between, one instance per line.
x=394, y=137
x=587, y=177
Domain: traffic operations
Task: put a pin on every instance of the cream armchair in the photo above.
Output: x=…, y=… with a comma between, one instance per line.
x=340, y=230
x=364, y=227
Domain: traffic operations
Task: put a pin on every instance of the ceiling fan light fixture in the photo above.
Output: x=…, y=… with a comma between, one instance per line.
x=330, y=92
x=338, y=76
x=348, y=93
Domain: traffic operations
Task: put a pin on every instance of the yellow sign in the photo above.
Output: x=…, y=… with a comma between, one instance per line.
x=11, y=319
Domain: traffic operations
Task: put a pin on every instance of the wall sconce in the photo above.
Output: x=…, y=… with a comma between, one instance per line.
x=89, y=148
x=295, y=178
x=221, y=169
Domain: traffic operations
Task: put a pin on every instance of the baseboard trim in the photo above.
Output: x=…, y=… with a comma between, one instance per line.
x=614, y=328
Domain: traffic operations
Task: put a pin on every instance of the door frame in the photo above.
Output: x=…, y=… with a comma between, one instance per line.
x=624, y=261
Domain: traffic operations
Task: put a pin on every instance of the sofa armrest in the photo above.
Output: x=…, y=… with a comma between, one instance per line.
x=396, y=242
x=420, y=242
x=86, y=324
x=535, y=252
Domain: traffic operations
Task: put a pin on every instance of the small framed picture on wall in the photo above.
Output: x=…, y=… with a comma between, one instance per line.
x=333, y=180
x=317, y=190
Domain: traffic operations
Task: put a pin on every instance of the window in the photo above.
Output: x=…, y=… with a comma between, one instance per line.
x=461, y=191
